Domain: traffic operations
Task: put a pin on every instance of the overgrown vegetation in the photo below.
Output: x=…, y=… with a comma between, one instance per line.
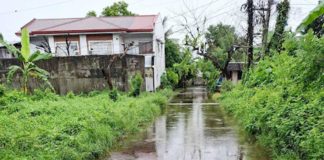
x=209, y=72
x=48, y=126
x=281, y=100
x=28, y=69
x=180, y=74
x=136, y=85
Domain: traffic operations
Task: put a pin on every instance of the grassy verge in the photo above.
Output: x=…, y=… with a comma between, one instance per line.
x=280, y=101
x=47, y=126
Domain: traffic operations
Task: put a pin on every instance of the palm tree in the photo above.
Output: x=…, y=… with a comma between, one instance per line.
x=29, y=69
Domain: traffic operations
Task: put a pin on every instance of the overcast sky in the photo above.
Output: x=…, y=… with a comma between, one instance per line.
x=16, y=13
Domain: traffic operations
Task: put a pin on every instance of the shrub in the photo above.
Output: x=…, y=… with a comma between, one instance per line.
x=136, y=85
x=2, y=90
x=46, y=94
x=70, y=94
x=210, y=73
x=227, y=86
x=169, y=79
x=113, y=94
x=281, y=100
x=73, y=128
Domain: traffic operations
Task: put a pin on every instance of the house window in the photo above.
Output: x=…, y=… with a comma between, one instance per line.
x=62, y=51
x=100, y=47
x=145, y=47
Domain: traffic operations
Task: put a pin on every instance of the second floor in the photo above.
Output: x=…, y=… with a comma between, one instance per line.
x=99, y=44
x=98, y=35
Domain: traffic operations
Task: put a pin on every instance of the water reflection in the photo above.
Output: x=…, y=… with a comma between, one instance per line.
x=187, y=132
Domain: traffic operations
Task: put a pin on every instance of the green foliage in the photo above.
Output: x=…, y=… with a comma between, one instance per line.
x=91, y=14
x=29, y=69
x=172, y=53
x=117, y=9
x=314, y=20
x=136, y=85
x=70, y=95
x=82, y=127
x=227, y=86
x=113, y=94
x=2, y=90
x=186, y=69
x=220, y=39
x=170, y=79
x=25, y=44
x=209, y=73
x=281, y=100
x=46, y=94
x=282, y=18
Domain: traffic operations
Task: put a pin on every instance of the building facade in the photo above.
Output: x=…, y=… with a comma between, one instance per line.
x=132, y=35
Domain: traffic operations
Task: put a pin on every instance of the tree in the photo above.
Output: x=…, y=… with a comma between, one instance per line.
x=278, y=36
x=117, y=9
x=172, y=53
x=91, y=14
x=114, y=58
x=222, y=42
x=186, y=69
x=314, y=21
x=29, y=69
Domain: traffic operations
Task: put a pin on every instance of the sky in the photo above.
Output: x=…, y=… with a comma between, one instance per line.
x=16, y=13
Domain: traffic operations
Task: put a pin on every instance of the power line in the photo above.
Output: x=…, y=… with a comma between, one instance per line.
x=34, y=8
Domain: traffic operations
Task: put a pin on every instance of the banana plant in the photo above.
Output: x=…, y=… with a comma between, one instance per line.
x=313, y=15
x=28, y=69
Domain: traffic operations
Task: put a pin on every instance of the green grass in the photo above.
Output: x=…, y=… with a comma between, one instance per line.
x=48, y=126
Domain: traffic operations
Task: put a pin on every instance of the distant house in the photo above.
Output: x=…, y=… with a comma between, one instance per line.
x=235, y=70
x=138, y=35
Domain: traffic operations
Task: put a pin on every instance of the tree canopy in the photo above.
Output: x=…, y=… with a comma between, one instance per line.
x=172, y=53
x=91, y=14
x=117, y=9
x=221, y=39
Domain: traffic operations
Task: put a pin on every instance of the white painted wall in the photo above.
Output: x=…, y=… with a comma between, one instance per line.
x=234, y=77
x=117, y=48
x=83, y=45
x=51, y=43
x=159, y=50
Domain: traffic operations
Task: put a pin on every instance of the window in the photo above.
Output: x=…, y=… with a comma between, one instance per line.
x=145, y=47
x=100, y=47
x=62, y=51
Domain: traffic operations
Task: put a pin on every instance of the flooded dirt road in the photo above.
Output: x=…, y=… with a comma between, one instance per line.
x=193, y=128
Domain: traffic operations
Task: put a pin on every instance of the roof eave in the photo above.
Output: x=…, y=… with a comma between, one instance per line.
x=86, y=31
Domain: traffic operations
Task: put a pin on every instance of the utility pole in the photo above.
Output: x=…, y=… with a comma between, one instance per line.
x=250, y=32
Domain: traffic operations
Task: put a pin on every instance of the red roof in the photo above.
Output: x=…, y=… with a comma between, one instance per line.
x=142, y=23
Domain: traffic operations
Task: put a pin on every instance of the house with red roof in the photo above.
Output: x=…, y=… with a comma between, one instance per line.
x=140, y=35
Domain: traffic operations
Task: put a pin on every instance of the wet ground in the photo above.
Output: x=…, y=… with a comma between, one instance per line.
x=193, y=128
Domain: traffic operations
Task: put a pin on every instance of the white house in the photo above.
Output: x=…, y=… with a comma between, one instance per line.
x=142, y=34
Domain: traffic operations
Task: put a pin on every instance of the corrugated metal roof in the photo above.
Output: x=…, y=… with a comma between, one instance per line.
x=142, y=23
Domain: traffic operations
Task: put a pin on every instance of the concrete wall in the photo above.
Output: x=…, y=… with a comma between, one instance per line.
x=81, y=73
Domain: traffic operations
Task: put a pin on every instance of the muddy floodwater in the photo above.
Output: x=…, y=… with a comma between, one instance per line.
x=192, y=128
